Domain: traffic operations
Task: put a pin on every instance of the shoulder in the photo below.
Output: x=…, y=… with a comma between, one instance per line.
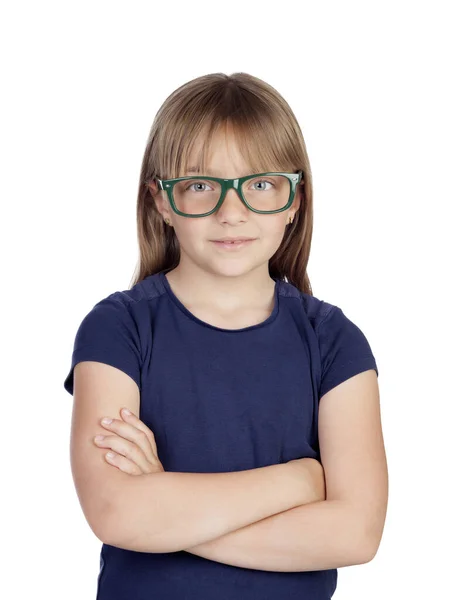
x=145, y=289
x=315, y=309
x=116, y=330
x=124, y=313
x=339, y=338
x=132, y=299
x=344, y=350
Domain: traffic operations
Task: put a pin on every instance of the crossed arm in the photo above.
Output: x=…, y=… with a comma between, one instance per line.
x=319, y=535
x=266, y=518
x=343, y=528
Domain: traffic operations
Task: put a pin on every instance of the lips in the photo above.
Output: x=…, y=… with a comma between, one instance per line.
x=237, y=240
x=233, y=245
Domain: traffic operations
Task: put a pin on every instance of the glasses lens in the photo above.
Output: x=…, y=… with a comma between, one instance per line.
x=199, y=196
x=267, y=192
x=196, y=196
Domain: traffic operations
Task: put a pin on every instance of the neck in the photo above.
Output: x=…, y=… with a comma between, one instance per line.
x=222, y=292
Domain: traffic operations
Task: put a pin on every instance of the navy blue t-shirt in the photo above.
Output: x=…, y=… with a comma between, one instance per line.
x=220, y=400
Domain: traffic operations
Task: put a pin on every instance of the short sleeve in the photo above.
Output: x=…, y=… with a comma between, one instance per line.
x=108, y=334
x=344, y=350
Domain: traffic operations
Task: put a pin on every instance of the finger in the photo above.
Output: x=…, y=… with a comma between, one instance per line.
x=126, y=449
x=131, y=433
x=136, y=422
x=122, y=463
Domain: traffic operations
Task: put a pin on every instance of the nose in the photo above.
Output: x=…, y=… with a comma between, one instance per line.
x=232, y=206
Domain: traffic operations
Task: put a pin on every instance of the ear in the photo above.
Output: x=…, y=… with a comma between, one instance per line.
x=160, y=198
x=297, y=198
x=153, y=188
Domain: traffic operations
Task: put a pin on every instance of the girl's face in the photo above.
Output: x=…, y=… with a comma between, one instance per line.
x=233, y=218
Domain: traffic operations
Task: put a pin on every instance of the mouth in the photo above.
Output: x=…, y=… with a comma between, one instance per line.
x=233, y=245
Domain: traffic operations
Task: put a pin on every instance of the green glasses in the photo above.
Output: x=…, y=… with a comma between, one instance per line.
x=200, y=196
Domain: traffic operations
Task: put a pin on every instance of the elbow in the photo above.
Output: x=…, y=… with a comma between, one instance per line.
x=101, y=522
x=369, y=550
x=109, y=529
x=373, y=533
x=370, y=529
x=366, y=553
x=135, y=531
x=114, y=534
x=106, y=532
x=356, y=552
x=368, y=547
x=363, y=546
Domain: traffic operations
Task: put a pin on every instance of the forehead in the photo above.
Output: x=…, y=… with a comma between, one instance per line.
x=229, y=152
x=222, y=156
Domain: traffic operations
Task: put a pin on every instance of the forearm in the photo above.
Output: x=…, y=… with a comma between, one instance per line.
x=312, y=537
x=168, y=512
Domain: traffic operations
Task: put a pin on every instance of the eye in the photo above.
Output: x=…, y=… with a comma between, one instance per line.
x=196, y=183
x=262, y=181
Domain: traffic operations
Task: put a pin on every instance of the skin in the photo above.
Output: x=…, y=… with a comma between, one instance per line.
x=326, y=532
x=225, y=282
x=133, y=448
x=132, y=443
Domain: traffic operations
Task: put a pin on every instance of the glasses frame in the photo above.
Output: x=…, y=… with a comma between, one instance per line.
x=228, y=184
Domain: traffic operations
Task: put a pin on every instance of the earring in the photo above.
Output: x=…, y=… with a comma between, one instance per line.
x=167, y=221
x=290, y=220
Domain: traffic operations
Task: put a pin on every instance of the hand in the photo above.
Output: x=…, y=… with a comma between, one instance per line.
x=315, y=473
x=134, y=445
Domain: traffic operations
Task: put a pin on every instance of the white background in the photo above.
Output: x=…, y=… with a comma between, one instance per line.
x=82, y=81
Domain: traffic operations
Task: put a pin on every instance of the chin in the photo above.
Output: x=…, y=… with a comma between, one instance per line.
x=232, y=268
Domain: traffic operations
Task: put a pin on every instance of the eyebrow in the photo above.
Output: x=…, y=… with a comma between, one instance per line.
x=196, y=169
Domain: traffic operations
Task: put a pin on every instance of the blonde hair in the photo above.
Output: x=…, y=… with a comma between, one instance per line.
x=269, y=138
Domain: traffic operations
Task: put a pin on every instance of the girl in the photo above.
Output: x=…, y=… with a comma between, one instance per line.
x=248, y=395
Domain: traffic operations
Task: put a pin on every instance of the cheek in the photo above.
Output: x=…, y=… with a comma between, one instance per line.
x=275, y=229
x=191, y=232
